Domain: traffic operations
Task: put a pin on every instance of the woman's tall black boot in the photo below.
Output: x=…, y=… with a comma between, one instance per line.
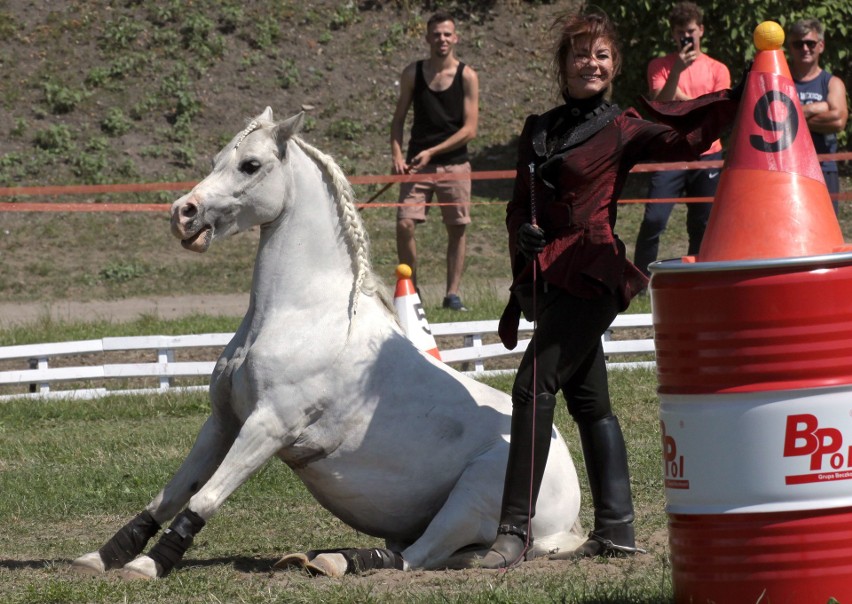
x=609, y=482
x=528, y=450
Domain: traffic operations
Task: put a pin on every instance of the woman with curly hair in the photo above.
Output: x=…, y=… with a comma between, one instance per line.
x=572, y=277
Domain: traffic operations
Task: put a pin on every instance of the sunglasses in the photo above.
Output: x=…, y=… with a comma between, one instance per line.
x=800, y=44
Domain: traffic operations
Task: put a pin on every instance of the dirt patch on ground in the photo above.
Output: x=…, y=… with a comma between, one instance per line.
x=391, y=582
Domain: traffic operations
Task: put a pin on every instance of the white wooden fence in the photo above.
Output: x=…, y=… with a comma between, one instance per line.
x=476, y=351
x=137, y=364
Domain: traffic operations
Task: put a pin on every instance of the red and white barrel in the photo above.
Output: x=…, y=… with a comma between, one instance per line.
x=754, y=362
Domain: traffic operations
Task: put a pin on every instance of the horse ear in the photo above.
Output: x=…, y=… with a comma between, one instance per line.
x=288, y=128
x=293, y=125
x=266, y=115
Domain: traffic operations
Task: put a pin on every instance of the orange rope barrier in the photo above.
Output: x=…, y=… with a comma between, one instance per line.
x=141, y=187
x=59, y=190
x=391, y=178
x=6, y=206
x=838, y=196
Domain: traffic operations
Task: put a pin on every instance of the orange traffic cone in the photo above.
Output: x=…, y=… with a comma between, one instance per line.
x=772, y=201
x=407, y=303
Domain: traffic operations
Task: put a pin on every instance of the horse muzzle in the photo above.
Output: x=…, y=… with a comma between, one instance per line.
x=186, y=225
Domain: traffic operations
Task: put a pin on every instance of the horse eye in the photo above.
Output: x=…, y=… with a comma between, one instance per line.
x=250, y=166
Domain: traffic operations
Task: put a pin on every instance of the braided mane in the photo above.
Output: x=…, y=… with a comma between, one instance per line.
x=366, y=281
x=253, y=125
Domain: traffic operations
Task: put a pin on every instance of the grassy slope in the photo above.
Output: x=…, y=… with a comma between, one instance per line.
x=148, y=92
x=142, y=92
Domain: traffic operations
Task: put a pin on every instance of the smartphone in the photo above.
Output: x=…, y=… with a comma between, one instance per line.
x=686, y=41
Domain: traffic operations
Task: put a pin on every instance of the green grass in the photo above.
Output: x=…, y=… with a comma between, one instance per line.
x=51, y=330
x=72, y=472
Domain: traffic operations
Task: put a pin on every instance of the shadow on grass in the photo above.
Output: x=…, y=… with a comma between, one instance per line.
x=242, y=564
x=32, y=564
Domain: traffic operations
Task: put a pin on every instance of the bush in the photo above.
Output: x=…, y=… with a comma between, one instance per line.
x=115, y=123
x=61, y=99
x=119, y=34
x=91, y=165
x=346, y=129
x=121, y=271
x=288, y=74
x=56, y=139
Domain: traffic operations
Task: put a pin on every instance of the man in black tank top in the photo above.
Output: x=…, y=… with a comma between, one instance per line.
x=445, y=96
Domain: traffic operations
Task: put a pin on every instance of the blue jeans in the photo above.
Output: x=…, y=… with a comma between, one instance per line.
x=832, y=182
x=675, y=183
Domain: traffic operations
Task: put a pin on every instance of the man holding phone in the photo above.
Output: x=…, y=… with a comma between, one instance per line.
x=684, y=74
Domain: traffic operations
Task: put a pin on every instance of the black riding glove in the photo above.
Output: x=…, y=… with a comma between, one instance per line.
x=530, y=240
x=737, y=91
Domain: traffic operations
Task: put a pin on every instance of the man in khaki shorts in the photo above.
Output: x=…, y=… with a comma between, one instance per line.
x=445, y=96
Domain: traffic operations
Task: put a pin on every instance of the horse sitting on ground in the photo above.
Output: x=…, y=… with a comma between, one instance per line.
x=319, y=373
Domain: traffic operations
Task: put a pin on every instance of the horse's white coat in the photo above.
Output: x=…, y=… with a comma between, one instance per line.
x=319, y=373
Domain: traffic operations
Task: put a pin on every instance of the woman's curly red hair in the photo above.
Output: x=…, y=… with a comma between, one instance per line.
x=570, y=27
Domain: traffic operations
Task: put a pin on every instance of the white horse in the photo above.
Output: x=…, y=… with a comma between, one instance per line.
x=319, y=373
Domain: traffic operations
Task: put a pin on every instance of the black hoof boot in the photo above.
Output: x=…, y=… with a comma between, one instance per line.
x=509, y=549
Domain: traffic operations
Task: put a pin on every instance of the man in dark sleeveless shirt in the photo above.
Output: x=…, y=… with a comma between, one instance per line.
x=445, y=96
x=823, y=96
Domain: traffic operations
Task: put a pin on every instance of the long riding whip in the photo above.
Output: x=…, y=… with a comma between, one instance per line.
x=534, y=222
x=379, y=192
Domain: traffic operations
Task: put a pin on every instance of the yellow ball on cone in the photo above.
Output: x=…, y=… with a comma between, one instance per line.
x=769, y=36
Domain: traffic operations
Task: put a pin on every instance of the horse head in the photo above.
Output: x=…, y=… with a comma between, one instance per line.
x=267, y=172
x=245, y=188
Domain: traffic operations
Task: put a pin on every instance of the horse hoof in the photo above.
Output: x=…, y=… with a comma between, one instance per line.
x=328, y=565
x=296, y=559
x=89, y=564
x=141, y=568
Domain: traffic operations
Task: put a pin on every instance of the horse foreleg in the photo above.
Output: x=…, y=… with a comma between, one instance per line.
x=256, y=443
x=213, y=442
x=469, y=516
x=125, y=545
x=215, y=439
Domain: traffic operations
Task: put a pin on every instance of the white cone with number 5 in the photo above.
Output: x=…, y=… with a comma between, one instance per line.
x=411, y=314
